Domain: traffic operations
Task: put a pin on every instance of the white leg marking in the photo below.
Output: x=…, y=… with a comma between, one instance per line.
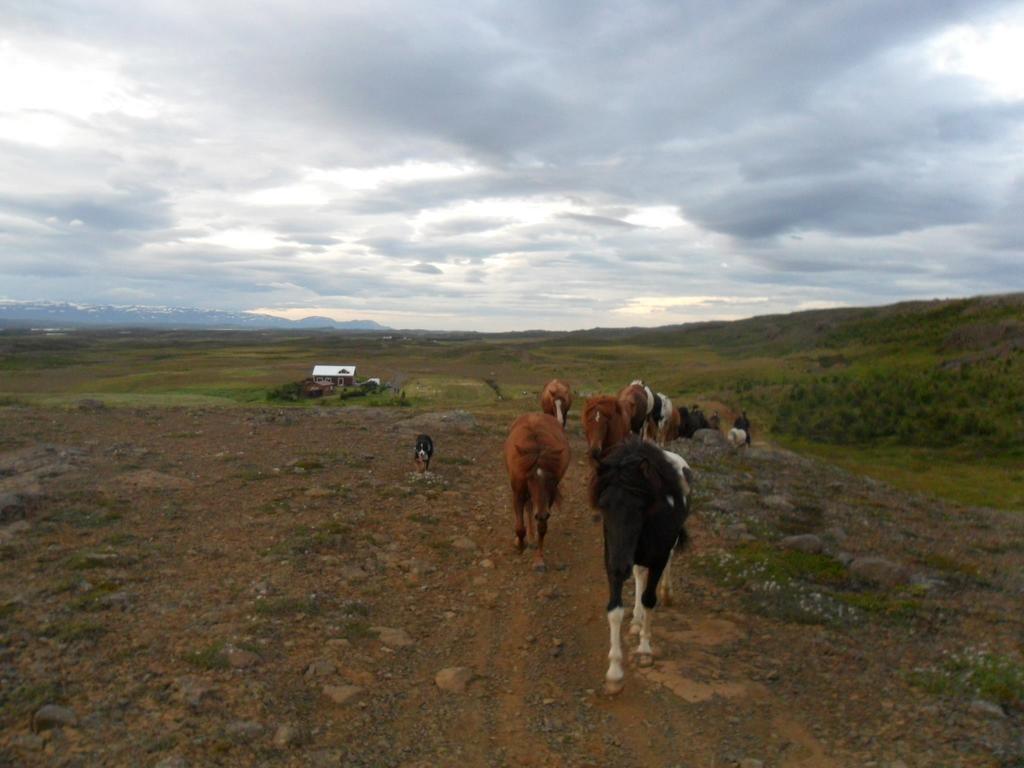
x=558, y=410
x=614, y=674
x=640, y=582
x=646, y=655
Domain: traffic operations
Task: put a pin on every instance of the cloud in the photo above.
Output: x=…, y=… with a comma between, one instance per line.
x=544, y=164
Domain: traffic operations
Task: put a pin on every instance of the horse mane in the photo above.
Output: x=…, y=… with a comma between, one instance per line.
x=638, y=469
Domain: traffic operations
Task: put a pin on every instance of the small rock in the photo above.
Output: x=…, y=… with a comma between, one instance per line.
x=287, y=736
x=838, y=535
x=321, y=668
x=989, y=708
x=878, y=570
x=174, y=761
x=736, y=530
x=120, y=600
x=193, y=689
x=464, y=543
x=244, y=730
x=805, y=542
x=845, y=558
x=454, y=679
x=549, y=592
x=487, y=563
x=341, y=694
x=394, y=638
x=750, y=762
x=777, y=503
x=53, y=716
x=242, y=659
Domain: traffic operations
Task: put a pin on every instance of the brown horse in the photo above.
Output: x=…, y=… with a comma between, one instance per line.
x=671, y=430
x=536, y=456
x=634, y=402
x=556, y=400
x=605, y=424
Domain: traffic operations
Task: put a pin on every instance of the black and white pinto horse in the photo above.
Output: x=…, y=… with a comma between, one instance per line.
x=657, y=422
x=643, y=508
x=422, y=452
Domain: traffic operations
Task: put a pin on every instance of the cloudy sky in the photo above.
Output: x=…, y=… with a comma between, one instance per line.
x=506, y=165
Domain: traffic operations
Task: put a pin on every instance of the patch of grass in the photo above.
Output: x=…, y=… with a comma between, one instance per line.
x=211, y=656
x=84, y=561
x=288, y=606
x=82, y=517
x=953, y=568
x=356, y=629
x=119, y=539
x=28, y=697
x=7, y=610
x=975, y=673
x=456, y=461
x=950, y=473
x=881, y=604
x=92, y=599
x=763, y=562
x=74, y=631
x=162, y=743
x=334, y=536
x=423, y=518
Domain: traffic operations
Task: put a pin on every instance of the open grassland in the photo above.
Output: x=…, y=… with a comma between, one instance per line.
x=927, y=396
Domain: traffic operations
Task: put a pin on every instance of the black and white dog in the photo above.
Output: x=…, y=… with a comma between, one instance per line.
x=424, y=450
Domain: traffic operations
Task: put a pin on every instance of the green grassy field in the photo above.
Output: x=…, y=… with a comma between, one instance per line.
x=928, y=396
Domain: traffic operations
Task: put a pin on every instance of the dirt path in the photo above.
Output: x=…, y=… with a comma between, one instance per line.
x=210, y=587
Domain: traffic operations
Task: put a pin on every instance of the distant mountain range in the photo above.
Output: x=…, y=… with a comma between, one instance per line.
x=63, y=314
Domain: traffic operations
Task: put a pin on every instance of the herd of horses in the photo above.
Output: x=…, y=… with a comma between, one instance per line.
x=641, y=491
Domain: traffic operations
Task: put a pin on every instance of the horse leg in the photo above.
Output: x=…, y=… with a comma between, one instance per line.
x=530, y=525
x=518, y=501
x=538, y=558
x=665, y=583
x=639, y=582
x=613, y=677
x=645, y=655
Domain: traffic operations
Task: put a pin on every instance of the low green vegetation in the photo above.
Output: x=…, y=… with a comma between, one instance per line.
x=211, y=656
x=928, y=396
x=805, y=588
x=976, y=673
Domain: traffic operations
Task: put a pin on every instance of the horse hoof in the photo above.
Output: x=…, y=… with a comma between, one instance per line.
x=612, y=687
x=540, y=567
x=645, y=660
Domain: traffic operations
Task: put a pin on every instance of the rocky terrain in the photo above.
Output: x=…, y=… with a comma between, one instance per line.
x=190, y=587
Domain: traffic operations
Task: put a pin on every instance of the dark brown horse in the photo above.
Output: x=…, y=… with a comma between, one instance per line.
x=634, y=403
x=605, y=424
x=556, y=400
x=536, y=456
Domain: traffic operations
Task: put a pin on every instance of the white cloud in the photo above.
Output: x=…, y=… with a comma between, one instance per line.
x=991, y=53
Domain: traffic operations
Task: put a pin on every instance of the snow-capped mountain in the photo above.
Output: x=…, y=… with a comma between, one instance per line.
x=50, y=313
